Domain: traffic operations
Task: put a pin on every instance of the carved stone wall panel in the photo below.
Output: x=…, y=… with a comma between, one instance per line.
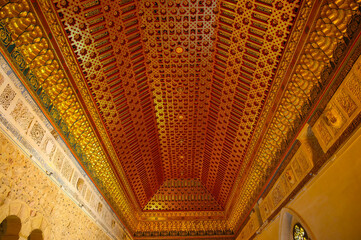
x=22, y=116
x=296, y=170
x=6, y=97
x=27, y=126
x=341, y=110
x=36, y=200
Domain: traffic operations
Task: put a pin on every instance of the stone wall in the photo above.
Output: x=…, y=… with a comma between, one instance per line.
x=25, y=191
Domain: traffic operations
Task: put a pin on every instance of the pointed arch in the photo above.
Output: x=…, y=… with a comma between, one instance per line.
x=36, y=234
x=28, y=220
x=289, y=218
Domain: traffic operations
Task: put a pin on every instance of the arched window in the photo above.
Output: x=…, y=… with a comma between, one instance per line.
x=10, y=228
x=293, y=226
x=299, y=233
x=36, y=235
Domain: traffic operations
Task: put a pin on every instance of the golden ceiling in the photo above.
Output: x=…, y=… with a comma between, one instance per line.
x=178, y=110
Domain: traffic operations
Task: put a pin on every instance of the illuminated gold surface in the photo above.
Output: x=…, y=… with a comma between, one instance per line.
x=179, y=50
x=47, y=74
x=182, y=194
x=138, y=115
x=306, y=75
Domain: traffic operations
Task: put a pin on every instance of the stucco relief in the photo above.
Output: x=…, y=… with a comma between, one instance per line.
x=37, y=133
x=296, y=170
x=22, y=115
x=28, y=194
x=21, y=120
x=6, y=97
x=344, y=106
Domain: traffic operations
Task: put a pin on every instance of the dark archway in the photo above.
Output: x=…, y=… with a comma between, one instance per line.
x=10, y=228
x=36, y=235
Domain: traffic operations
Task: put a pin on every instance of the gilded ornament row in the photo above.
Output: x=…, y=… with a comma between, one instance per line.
x=344, y=106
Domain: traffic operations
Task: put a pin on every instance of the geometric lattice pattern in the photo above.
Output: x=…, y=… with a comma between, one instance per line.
x=178, y=110
x=184, y=195
x=179, y=84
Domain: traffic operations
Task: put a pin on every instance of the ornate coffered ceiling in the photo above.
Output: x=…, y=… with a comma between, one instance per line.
x=179, y=84
x=178, y=110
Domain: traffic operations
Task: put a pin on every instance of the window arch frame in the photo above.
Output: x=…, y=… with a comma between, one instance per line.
x=289, y=218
